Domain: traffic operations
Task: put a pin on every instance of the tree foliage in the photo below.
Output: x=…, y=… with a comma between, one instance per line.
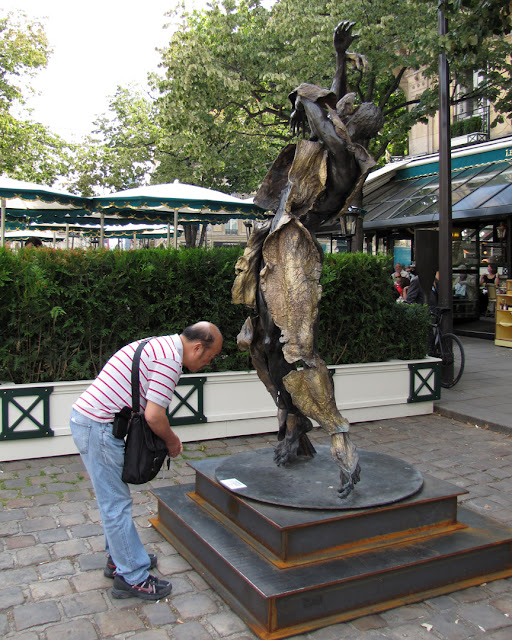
x=120, y=153
x=28, y=150
x=222, y=108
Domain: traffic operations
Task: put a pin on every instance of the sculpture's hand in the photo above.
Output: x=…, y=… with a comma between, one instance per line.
x=343, y=36
x=298, y=121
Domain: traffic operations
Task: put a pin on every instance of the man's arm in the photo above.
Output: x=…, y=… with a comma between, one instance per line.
x=156, y=417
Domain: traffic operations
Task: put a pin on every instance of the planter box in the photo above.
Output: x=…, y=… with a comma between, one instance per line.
x=35, y=418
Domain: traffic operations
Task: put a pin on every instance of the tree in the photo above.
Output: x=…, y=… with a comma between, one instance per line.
x=121, y=153
x=228, y=71
x=27, y=150
x=222, y=108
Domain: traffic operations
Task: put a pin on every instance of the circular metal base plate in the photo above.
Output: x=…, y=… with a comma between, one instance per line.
x=313, y=483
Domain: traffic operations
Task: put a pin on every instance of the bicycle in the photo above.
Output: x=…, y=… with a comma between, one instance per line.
x=448, y=348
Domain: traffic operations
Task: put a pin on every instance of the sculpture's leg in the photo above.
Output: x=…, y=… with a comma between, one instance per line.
x=312, y=392
x=262, y=338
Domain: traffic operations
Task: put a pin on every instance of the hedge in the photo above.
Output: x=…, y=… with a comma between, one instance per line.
x=64, y=313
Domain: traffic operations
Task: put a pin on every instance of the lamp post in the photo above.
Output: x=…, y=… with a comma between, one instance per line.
x=248, y=228
x=445, y=183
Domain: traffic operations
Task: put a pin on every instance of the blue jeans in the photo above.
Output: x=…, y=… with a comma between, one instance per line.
x=103, y=457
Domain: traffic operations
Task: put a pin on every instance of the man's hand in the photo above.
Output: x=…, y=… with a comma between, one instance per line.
x=156, y=417
x=343, y=36
x=173, y=444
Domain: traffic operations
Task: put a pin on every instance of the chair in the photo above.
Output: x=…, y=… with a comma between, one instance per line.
x=491, y=304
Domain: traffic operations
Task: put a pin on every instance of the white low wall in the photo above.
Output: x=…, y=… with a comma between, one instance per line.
x=235, y=403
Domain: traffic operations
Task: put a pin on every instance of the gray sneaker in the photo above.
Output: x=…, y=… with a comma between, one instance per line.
x=151, y=588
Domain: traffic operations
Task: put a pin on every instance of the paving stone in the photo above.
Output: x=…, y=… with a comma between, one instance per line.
x=50, y=590
x=9, y=528
x=503, y=634
x=83, y=604
x=226, y=623
x=4, y=625
x=194, y=606
x=484, y=616
x=89, y=581
x=503, y=604
x=172, y=565
x=11, y=597
x=113, y=623
x=35, y=614
x=158, y=614
x=15, y=483
x=32, y=555
x=55, y=569
x=369, y=622
x=15, y=577
x=411, y=631
x=152, y=634
x=70, y=548
x=442, y=603
x=198, y=581
x=45, y=499
x=77, y=496
x=181, y=585
x=53, y=535
x=409, y=612
x=86, y=530
x=97, y=544
x=90, y=561
x=19, y=542
x=473, y=594
x=451, y=626
x=189, y=631
x=75, y=630
x=6, y=561
x=38, y=524
x=11, y=514
x=71, y=519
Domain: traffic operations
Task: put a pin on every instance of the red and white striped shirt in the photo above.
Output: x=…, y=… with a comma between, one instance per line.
x=159, y=371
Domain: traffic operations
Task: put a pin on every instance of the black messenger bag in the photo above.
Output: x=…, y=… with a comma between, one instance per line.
x=144, y=451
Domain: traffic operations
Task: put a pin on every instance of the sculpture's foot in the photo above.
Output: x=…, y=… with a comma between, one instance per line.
x=348, y=482
x=286, y=451
x=346, y=457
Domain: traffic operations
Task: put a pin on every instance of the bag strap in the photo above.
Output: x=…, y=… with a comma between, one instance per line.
x=135, y=375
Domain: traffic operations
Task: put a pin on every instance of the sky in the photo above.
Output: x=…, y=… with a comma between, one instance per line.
x=98, y=45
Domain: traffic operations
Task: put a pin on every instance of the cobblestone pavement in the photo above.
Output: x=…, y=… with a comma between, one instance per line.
x=51, y=547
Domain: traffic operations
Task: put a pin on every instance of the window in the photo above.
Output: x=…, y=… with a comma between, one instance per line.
x=231, y=227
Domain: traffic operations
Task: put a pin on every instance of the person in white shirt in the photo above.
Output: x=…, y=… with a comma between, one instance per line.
x=92, y=416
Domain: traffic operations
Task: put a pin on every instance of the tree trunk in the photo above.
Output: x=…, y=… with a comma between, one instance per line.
x=190, y=235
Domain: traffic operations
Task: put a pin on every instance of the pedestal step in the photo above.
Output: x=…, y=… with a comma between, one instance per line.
x=280, y=601
x=298, y=536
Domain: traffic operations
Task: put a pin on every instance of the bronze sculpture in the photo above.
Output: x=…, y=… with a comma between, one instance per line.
x=278, y=276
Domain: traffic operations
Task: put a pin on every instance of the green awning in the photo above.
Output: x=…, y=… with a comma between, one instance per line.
x=481, y=188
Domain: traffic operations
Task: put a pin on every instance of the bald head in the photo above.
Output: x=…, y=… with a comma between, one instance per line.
x=201, y=343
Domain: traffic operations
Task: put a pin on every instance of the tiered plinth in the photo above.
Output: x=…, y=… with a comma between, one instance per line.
x=289, y=570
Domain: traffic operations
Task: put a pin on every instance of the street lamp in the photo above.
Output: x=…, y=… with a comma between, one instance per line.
x=248, y=228
x=348, y=221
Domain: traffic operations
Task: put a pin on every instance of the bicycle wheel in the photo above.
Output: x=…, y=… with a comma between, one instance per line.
x=452, y=356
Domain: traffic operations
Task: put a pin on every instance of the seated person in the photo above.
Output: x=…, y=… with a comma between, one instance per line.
x=414, y=293
x=399, y=272
x=401, y=284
